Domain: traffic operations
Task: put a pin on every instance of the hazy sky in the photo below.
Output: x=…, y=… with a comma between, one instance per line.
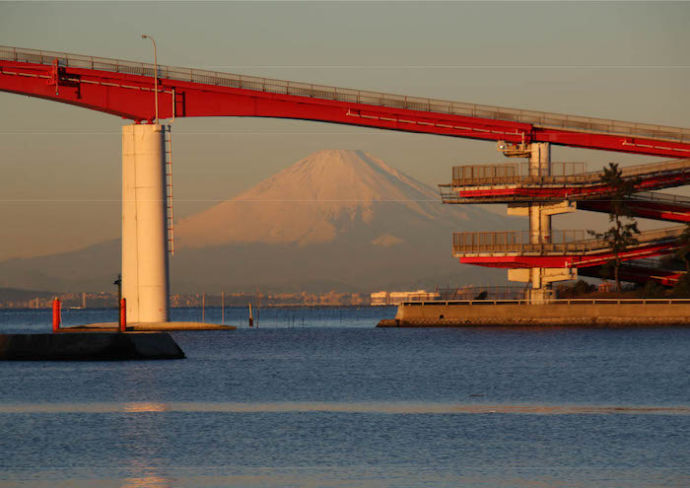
x=60, y=165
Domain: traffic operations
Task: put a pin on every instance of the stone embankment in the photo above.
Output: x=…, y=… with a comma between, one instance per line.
x=513, y=313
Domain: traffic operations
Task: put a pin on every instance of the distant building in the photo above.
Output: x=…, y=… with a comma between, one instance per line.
x=380, y=298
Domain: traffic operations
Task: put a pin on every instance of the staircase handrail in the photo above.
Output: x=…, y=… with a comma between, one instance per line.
x=562, y=241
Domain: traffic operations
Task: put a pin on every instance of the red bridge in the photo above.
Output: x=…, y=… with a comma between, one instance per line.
x=564, y=187
x=125, y=89
x=132, y=90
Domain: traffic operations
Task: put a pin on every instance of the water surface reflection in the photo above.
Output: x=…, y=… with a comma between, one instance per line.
x=392, y=408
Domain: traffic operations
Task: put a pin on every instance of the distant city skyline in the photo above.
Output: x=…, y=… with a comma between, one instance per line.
x=60, y=165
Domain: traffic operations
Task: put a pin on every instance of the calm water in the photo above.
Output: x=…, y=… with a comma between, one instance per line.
x=318, y=397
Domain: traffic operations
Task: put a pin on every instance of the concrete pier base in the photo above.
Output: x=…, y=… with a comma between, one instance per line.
x=642, y=313
x=102, y=346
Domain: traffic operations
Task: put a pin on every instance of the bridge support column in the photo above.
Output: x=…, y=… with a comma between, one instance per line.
x=145, y=278
x=539, y=166
x=540, y=233
x=539, y=214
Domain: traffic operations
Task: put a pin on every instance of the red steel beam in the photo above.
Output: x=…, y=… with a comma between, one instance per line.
x=610, y=142
x=568, y=261
x=641, y=208
x=131, y=97
x=640, y=274
x=509, y=193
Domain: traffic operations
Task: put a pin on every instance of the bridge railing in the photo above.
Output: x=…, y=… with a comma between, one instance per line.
x=517, y=173
x=652, y=196
x=646, y=169
x=532, y=117
x=561, y=173
x=561, y=242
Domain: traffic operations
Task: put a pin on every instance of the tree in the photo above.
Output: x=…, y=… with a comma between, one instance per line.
x=683, y=251
x=623, y=231
x=652, y=289
x=682, y=288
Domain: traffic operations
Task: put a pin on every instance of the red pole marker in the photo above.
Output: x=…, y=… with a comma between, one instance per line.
x=123, y=315
x=56, y=314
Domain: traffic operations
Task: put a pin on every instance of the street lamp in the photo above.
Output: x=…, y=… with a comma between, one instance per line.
x=155, y=66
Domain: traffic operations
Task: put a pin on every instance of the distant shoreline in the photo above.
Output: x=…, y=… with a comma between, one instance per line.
x=208, y=307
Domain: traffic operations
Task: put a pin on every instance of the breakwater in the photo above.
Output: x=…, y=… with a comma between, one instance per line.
x=89, y=346
x=510, y=313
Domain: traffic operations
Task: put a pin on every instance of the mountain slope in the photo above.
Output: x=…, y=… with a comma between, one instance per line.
x=328, y=195
x=337, y=219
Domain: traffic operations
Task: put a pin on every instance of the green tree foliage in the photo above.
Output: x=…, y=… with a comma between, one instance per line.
x=623, y=231
x=579, y=289
x=683, y=251
x=682, y=288
x=652, y=289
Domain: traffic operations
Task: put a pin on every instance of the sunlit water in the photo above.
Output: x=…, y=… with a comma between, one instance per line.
x=318, y=397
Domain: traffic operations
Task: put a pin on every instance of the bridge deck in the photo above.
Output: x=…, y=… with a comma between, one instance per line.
x=125, y=88
x=217, y=78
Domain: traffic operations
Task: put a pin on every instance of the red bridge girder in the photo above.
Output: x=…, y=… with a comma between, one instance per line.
x=509, y=194
x=639, y=274
x=569, y=260
x=640, y=208
x=131, y=96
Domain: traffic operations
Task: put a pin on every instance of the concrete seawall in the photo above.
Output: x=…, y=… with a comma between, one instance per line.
x=93, y=346
x=590, y=313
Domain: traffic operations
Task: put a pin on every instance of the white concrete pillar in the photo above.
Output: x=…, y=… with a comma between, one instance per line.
x=145, y=280
x=535, y=224
x=539, y=220
x=540, y=214
x=539, y=165
x=540, y=159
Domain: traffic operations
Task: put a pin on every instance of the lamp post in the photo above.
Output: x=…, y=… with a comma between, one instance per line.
x=155, y=67
x=118, y=283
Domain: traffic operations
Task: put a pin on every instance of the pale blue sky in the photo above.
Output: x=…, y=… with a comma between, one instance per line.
x=625, y=60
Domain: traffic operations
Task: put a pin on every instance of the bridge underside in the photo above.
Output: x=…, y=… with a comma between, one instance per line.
x=640, y=274
x=670, y=209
